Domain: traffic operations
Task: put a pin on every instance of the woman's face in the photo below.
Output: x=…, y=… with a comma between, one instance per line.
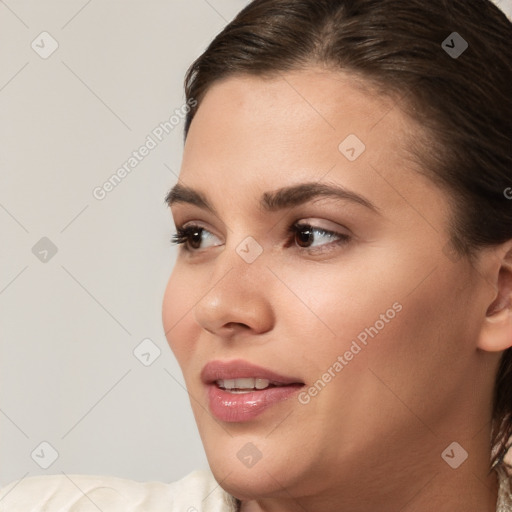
x=364, y=317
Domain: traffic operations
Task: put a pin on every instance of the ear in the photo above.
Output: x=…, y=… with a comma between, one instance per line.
x=496, y=332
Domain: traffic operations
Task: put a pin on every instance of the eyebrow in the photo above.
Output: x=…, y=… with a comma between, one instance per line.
x=276, y=200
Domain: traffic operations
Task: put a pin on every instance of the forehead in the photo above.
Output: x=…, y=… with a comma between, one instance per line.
x=306, y=108
x=252, y=134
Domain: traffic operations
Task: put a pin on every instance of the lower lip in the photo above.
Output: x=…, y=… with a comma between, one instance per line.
x=238, y=407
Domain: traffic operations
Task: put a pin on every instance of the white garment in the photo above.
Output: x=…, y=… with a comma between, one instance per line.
x=197, y=492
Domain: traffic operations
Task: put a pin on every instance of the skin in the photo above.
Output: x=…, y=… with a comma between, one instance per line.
x=372, y=439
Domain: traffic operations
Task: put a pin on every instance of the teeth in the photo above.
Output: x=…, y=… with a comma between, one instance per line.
x=229, y=383
x=246, y=384
x=261, y=383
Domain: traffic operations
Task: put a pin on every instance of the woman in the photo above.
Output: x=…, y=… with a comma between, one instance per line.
x=341, y=304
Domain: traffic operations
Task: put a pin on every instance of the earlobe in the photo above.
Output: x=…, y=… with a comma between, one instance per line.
x=496, y=333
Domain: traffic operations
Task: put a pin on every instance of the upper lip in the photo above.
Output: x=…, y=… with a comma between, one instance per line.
x=240, y=369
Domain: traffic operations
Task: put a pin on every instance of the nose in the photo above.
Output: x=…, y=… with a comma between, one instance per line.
x=237, y=298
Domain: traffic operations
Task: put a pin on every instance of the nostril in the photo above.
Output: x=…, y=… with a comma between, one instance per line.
x=235, y=325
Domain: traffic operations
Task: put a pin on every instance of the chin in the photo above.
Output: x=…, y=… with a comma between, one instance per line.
x=248, y=484
x=243, y=470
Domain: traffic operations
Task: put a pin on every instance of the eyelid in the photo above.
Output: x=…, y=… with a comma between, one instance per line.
x=314, y=222
x=323, y=224
x=341, y=238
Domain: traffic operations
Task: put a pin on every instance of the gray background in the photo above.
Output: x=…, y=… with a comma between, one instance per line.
x=70, y=321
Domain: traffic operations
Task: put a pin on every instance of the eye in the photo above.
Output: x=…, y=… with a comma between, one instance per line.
x=304, y=234
x=190, y=237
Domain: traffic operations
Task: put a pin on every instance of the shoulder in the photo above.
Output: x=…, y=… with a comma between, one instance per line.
x=196, y=492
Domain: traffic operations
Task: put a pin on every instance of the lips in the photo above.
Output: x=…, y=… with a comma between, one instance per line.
x=239, y=391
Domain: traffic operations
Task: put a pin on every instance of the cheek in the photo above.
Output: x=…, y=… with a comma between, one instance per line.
x=396, y=320
x=425, y=347
x=334, y=304
x=177, y=311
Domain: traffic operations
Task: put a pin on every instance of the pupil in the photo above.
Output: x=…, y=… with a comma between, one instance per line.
x=307, y=238
x=196, y=238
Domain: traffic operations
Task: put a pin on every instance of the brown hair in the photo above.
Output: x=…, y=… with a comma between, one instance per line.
x=464, y=102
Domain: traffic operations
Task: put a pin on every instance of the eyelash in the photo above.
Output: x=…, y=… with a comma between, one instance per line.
x=183, y=236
